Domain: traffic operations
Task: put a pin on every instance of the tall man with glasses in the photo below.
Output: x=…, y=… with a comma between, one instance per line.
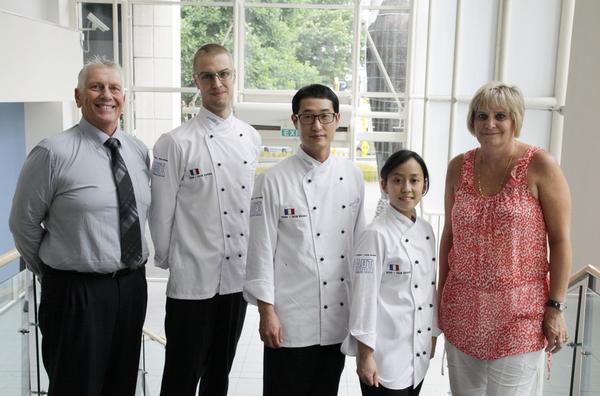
x=304, y=216
x=202, y=178
x=78, y=220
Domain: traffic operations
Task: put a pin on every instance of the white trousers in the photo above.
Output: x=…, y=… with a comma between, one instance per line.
x=518, y=375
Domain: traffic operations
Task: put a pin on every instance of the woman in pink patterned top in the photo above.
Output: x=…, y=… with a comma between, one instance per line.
x=501, y=293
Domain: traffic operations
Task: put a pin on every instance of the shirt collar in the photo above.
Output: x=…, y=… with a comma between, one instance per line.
x=313, y=163
x=213, y=120
x=99, y=137
x=406, y=221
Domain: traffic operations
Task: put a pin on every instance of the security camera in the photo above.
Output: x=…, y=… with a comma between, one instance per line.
x=97, y=23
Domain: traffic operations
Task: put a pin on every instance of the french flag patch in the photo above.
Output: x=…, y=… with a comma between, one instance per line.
x=194, y=172
x=394, y=267
x=289, y=211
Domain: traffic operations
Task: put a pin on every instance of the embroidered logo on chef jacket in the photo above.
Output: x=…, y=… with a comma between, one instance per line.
x=291, y=213
x=158, y=167
x=196, y=173
x=364, y=264
x=256, y=206
x=395, y=269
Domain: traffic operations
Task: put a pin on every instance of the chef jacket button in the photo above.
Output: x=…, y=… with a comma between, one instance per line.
x=211, y=136
x=241, y=210
x=427, y=237
x=430, y=305
x=433, y=282
x=341, y=178
x=245, y=162
x=240, y=255
x=222, y=189
x=419, y=331
x=227, y=258
x=418, y=355
x=318, y=234
x=341, y=279
x=243, y=187
x=342, y=256
x=429, y=329
x=225, y=212
x=325, y=307
x=241, y=234
x=321, y=259
x=343, y=231
x=325, y=283
x=433, y=259
x=241, y=134
x=416, y=286
x=424, y=352
x=314, y=208
x=309, y=180
x=420, y=308
x=343, y=206
x=406, y=240
x=228, y=236
x=218, y=164
x=416, y=261
x=341, y=304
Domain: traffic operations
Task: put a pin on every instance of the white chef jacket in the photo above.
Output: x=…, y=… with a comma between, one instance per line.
x=393, y=295
x=202, y=180
x=303, y=219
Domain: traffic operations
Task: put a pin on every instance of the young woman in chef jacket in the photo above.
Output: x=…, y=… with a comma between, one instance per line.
x=393, y=313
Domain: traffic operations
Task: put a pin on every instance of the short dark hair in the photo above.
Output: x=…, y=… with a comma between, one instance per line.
x=400, y=157
x=315, y=91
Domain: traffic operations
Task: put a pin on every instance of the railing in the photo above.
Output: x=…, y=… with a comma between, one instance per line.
x=574, y=371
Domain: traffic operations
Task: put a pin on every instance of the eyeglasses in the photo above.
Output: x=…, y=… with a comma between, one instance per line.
x=309, y=119
x=222, y=75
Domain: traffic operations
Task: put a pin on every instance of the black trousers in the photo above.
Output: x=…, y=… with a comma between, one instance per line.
x=202, y=337
x=381, y=391
x=306, y=371
x=92, y=331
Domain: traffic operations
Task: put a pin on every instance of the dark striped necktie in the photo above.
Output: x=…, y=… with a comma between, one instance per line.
x=129, y=223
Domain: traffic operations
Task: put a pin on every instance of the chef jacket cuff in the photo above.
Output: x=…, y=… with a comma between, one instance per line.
x=259, y=290
x=369, y=339
x=161, y=263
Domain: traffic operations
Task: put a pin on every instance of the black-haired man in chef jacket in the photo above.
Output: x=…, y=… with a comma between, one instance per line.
x=304, y=216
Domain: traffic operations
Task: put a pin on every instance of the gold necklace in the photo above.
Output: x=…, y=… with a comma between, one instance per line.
x=499, y=187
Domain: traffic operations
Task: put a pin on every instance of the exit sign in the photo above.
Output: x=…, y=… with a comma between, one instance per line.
x=289, y=132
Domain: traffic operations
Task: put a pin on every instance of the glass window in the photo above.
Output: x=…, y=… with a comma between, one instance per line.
x=287, y=48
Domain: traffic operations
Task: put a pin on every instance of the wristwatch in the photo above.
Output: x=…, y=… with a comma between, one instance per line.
x=555, y=304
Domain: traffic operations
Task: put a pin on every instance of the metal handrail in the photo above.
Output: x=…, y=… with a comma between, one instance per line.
x=155, y=337
x=588, y=270
x=9, y=257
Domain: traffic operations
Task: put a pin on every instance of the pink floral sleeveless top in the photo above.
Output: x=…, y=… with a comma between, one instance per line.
x=497, y=285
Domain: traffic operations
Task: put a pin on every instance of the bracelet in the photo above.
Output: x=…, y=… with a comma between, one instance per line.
x=555, y=304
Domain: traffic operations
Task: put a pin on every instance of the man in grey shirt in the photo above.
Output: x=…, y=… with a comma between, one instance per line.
x=77, y=218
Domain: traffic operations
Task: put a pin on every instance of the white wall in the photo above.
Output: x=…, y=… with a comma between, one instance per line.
x=40, y=60
x=581, y=139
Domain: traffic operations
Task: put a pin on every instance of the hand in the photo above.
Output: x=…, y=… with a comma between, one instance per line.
x=433, y=342
x=366, y=368
x=271, y=332
x=555, y=329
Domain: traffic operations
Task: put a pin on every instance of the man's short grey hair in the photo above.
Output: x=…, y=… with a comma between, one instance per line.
x=96, y=61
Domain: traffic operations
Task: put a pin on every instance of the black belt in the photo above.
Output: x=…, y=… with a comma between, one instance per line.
x=116, y=274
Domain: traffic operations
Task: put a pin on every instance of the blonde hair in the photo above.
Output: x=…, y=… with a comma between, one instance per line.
x=496, y=93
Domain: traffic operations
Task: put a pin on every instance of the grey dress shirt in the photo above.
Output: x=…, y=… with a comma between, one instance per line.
x=65, y=211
